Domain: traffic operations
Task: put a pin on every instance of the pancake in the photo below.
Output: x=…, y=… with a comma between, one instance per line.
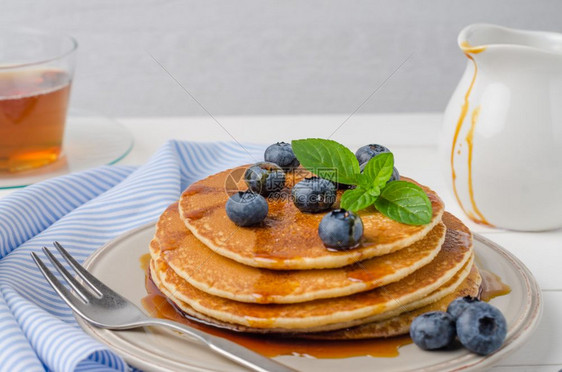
x=288, y=239
x=220, y=276
x=400, y=324
x=465, y=281
x=455, y=256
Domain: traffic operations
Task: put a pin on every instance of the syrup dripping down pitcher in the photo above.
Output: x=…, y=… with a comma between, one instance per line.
x=501, y=142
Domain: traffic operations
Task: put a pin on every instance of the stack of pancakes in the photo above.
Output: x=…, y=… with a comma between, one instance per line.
x=279, y=278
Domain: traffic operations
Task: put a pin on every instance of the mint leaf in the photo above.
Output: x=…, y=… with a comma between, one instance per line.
x=379, y=169
x=356, y=199
x=327, y=158
x=404, y=202
x=374, y=191
x=363, y=181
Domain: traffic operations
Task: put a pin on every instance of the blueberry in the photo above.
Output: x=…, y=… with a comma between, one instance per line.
x=246, y=208
x=365, y=153
x=341, y=229
x=433, y=330
x=314, y=194
x=481, y=328
x=458, y=305
x=264, y=178
x=282, y=154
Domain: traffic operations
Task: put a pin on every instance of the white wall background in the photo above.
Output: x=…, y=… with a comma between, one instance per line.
x=269, y=57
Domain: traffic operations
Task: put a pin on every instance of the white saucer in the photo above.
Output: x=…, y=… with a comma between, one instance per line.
x=90, y=140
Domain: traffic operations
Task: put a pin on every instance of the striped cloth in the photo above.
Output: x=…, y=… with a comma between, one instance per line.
x=84, y=211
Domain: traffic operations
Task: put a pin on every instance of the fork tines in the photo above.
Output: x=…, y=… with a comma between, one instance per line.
x=86, y=295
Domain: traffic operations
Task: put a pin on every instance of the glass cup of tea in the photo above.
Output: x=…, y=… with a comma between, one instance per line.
x=36, y=70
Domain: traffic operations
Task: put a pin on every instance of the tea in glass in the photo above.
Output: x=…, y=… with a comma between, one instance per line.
x=33, y=98
x=32, y=117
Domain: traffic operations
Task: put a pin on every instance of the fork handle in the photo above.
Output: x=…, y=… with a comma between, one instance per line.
x=228, y=349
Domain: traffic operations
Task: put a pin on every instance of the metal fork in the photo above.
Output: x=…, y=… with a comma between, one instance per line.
x=105, y=308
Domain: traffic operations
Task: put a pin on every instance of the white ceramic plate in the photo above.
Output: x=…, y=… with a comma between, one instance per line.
x=156, y=349
x=90, y=140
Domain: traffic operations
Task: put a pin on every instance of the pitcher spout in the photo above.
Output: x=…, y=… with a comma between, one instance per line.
x=476, y=38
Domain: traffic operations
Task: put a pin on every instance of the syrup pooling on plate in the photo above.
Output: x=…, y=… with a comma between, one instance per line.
x=156, y=304
x=492, y=286
x=144, y=261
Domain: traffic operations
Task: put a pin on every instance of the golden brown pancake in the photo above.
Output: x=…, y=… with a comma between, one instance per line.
x=468, y=276
x=400, y=324
x=454, y=257
x=220, y=276
x=288, y=238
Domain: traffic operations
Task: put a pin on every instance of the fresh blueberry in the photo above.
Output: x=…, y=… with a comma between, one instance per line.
x=481, y=328
x=341, y=229
x=394, y=177
x=433, y=330
x=365, y=153
x=282, y=154
x=458, y=305
x=314, y=194
x=265, y=178
x=246, y=208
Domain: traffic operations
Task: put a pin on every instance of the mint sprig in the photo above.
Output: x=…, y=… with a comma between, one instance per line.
x=401, y=201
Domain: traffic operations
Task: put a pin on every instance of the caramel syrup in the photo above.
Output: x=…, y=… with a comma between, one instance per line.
x=158, y=306
x=468, y=49
x=492, y=286
x=470, y=143
x=145, y=262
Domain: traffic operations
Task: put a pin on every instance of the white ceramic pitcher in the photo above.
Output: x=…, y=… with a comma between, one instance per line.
x=501, y=143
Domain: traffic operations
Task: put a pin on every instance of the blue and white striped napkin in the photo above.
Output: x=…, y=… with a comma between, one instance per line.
x=84, y=211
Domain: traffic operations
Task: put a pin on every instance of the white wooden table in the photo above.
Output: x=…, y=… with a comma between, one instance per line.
x=413, y=140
